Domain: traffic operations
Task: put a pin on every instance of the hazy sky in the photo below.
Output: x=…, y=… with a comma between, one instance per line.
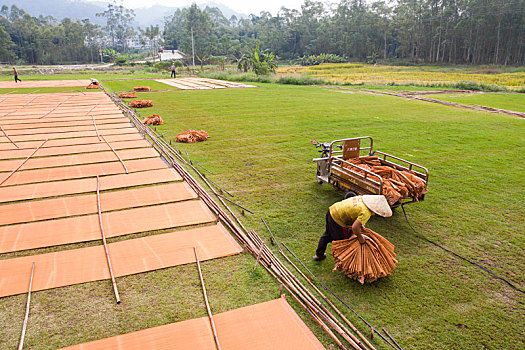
x=243, y=6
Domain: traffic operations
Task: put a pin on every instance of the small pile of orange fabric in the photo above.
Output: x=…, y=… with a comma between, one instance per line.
x=192, y=136
x=153, y=120
x=93, y=86
x=141, y=103
x=127, y=95
x=397, y=184
x=142, y=88
x=365, y=262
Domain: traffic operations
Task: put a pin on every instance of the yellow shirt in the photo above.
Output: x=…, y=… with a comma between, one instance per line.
x=347, y=211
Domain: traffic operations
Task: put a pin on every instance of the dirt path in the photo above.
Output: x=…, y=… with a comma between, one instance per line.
x=415, y=96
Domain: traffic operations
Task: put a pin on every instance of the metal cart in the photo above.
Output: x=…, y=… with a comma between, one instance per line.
x=354, y=180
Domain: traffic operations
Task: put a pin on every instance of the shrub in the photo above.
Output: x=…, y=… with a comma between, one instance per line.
x=472, y=85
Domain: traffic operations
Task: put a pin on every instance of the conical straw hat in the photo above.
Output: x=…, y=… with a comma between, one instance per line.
x=378, y=205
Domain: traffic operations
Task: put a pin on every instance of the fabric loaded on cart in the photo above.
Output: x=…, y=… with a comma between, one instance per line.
x=397, y=184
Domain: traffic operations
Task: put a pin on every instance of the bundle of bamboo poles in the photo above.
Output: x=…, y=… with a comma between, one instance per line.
x=253, y=244
x=366, y=262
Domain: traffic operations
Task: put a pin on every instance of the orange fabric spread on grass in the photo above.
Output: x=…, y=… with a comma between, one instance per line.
x=55, y=124
x=68, y=142
x=117, y=223
x=44, y=83
x=62, y=129
x=100, y=117
x=67, y=187
x=80, y=171
x=128, y=257
x=77, y=159
x=270, y=325
x=72, y=134
x=70, y=150
x=81, y=205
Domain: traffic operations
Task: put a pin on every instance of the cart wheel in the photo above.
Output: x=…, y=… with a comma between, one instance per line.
x=350, y=194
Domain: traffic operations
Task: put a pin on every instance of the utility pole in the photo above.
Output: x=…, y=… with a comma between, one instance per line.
x=192, y=47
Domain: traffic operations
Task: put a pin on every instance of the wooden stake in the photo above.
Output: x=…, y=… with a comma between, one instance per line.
x=117, y=297
x=210, y=316
x=21, y=344
x=25, y=160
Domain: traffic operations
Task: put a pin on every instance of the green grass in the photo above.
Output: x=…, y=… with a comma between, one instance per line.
x=513, y=102
x=260, y=151
x=127, y=85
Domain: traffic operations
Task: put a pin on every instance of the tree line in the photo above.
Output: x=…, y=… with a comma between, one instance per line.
x=431, y=31
x=423, y=31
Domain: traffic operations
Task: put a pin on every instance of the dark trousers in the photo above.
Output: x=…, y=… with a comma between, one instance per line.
x=173, y=74
x=333, y=232
x=16, y=78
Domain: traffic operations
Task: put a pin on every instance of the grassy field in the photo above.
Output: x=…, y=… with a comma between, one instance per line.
x=354, y=73
x=260, y=151
x=513, y=102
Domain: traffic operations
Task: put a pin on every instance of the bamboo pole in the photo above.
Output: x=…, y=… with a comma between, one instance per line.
x=13, y=142
x=331, y=305
x=210, y=316
x=56, y=106
x=16, y=110
x=115, y=290
x=373, y=329
x=391, y=338
x=24, y=326
x=23, y=162
x=95, y=125
x=92, y=108
x=115, y=152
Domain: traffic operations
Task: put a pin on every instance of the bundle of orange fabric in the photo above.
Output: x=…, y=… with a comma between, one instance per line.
x=153, y=120
x=127, y=95
x=396, y=184
x=93, y=86
x=141, y=103
x=364, y=262
x=142, y=88
x=192, y=136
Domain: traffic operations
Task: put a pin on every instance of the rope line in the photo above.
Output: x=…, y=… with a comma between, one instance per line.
x=459, y=256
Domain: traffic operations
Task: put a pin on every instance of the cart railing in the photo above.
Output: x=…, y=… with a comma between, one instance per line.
x=338, y=144
x=368, y=178
x=408, y=166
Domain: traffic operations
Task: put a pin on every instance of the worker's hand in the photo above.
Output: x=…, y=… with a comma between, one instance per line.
x=361, y=239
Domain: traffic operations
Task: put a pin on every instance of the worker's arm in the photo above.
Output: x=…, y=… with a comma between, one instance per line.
x=357, y=228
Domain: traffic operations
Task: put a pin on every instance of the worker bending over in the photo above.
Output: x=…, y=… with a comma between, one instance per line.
x=350, y=213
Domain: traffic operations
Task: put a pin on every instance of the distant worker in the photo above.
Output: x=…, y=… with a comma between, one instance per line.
x=173, y=70
x=94, y=82
x=351, y=213
x=16, y=75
